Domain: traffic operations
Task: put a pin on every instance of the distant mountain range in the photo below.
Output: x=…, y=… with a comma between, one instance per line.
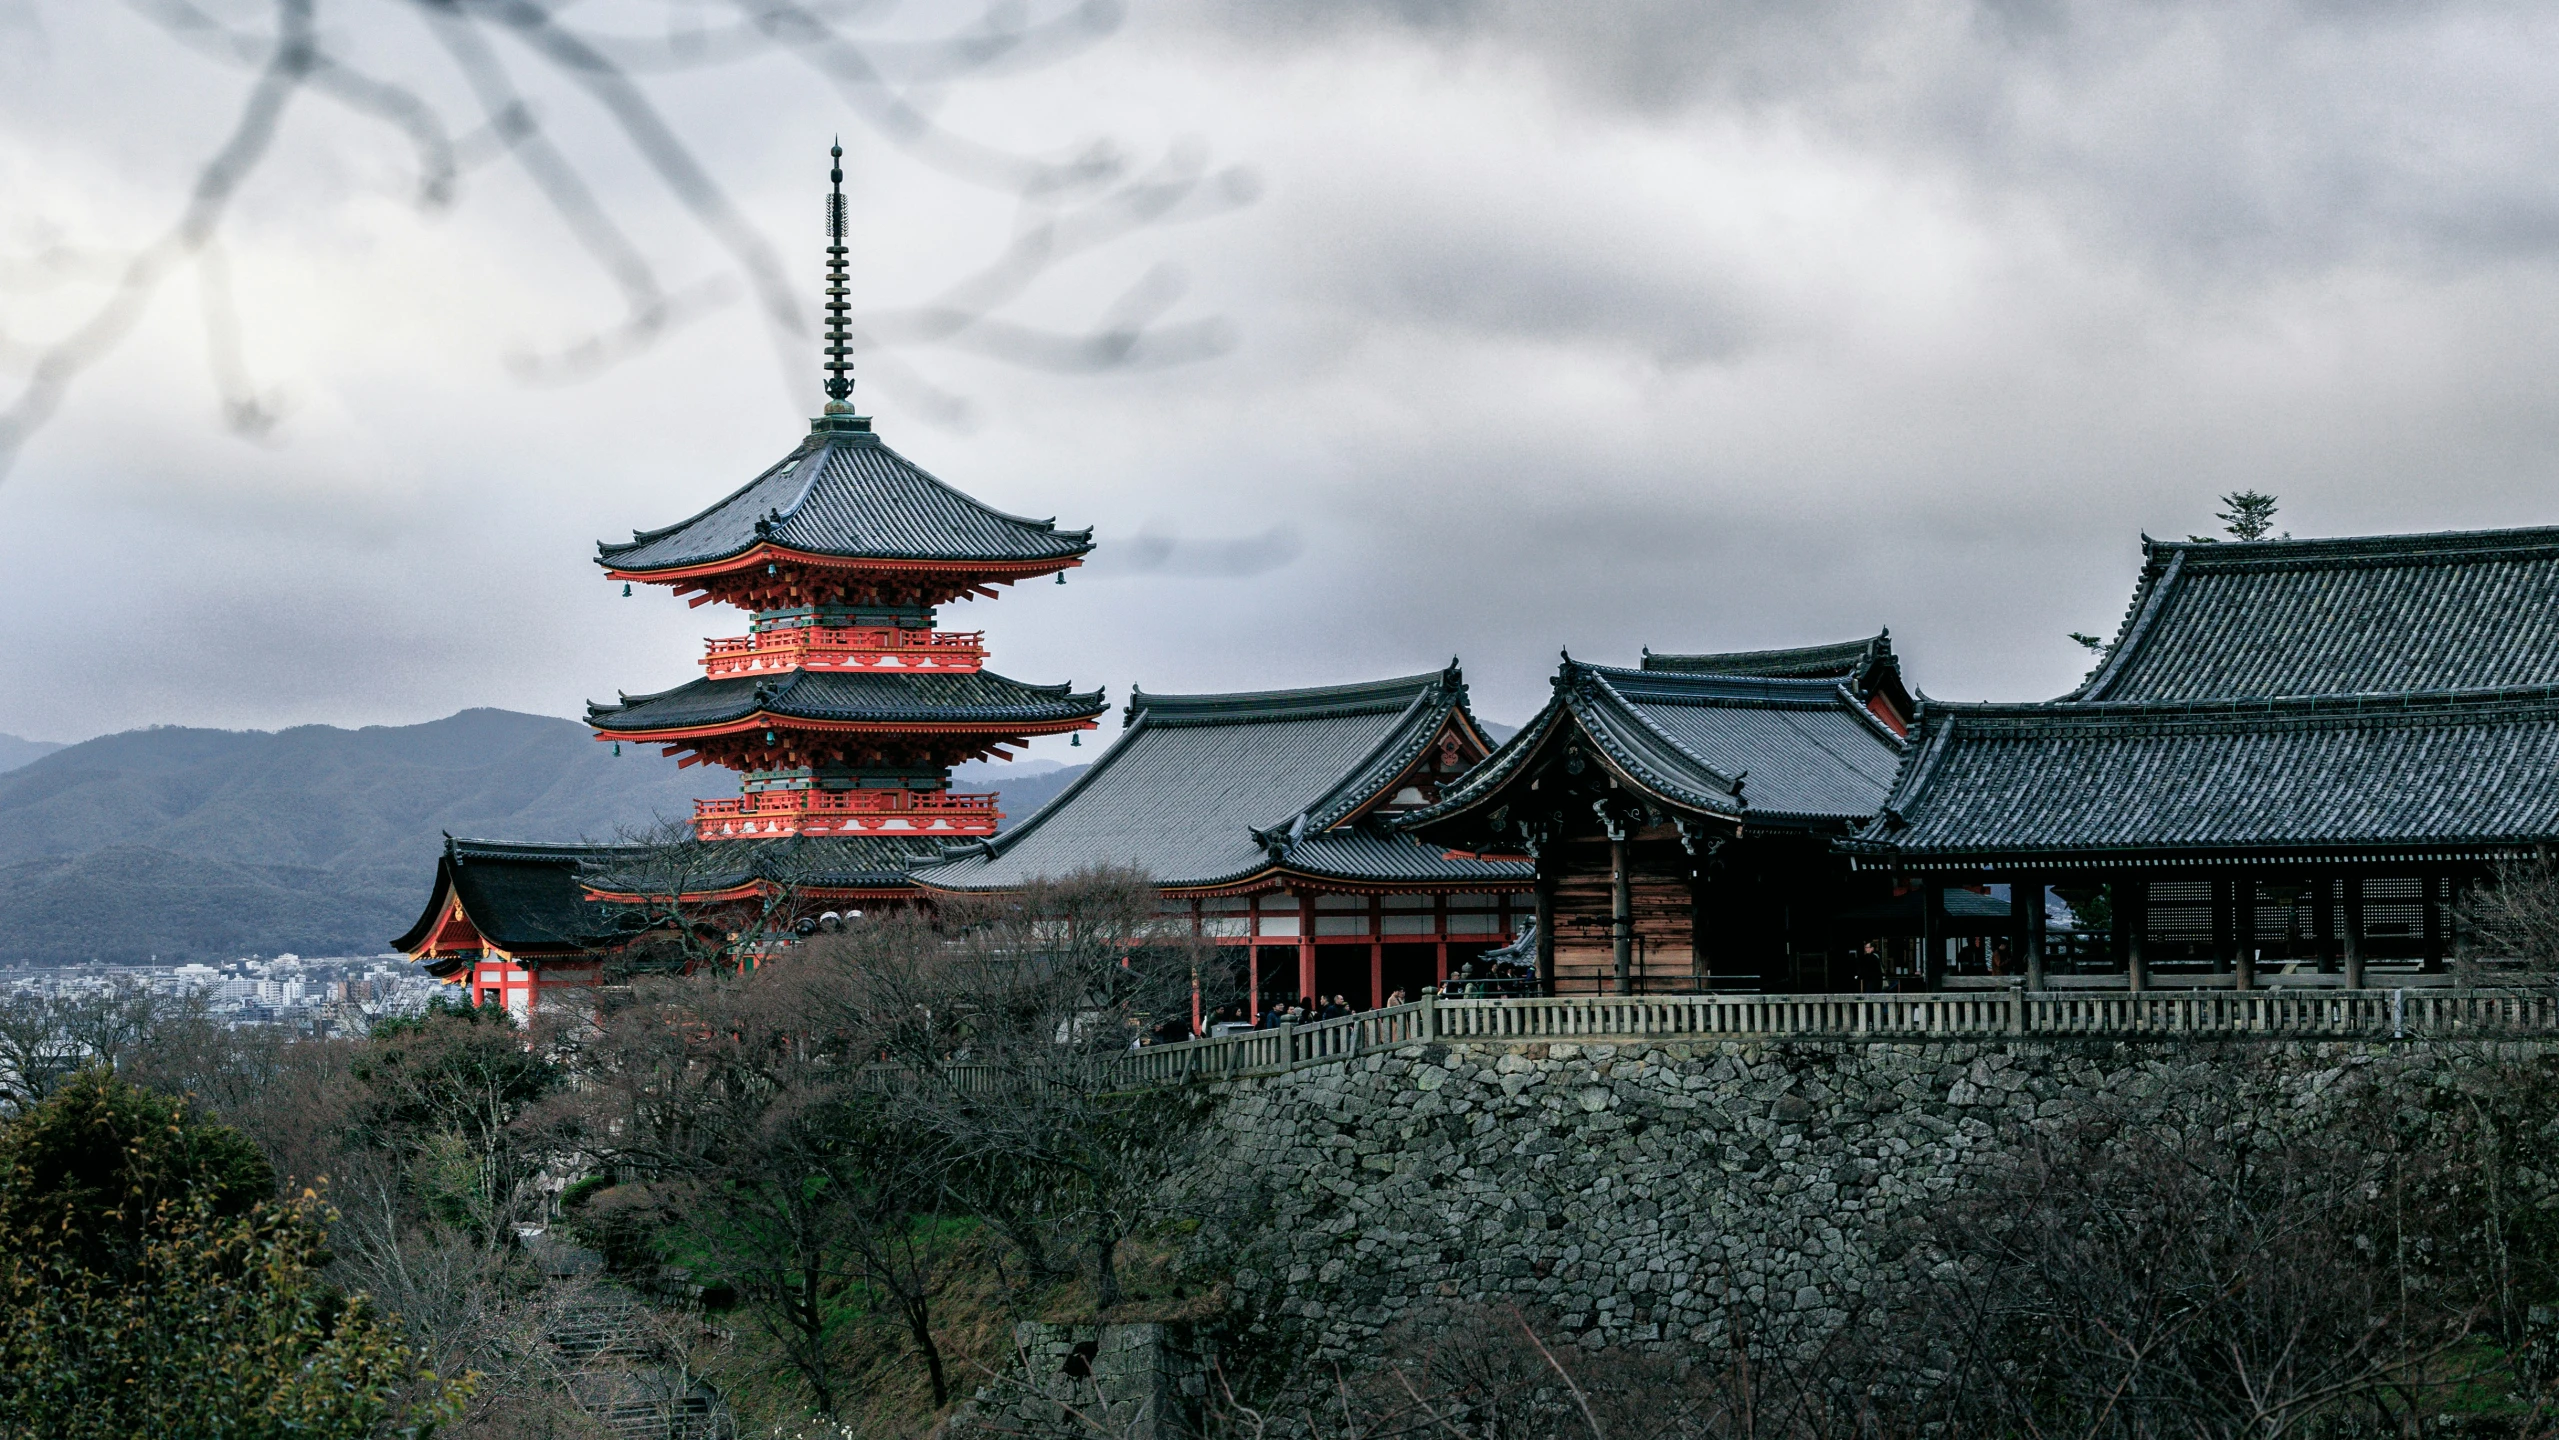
x=15, y=752
x=191, y=844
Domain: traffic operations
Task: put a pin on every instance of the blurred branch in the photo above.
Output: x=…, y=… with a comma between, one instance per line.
x=1071, y=203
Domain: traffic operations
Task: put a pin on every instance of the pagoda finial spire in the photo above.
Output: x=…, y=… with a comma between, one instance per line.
x=839, y=345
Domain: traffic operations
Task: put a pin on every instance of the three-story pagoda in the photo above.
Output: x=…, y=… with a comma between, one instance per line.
x=845, y=704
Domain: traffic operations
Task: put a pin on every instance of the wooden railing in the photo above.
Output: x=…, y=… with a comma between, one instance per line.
x=816, y=647
x=765, y=813
x=2318, y=1014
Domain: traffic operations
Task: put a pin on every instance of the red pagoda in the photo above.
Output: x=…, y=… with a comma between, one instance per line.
x=845, y=704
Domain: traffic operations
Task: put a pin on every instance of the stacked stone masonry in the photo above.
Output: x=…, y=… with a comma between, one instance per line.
x=1651, y=1194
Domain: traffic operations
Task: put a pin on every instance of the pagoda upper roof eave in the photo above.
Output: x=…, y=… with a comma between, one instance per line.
x=767, y=720
x=767, y=553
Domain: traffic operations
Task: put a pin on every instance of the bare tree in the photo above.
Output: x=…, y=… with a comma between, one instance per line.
x=517, y=61
x=2207, y=1275
x=46, y=1038
x=682, y=905
x=1003, y=1015
x=746, y=1137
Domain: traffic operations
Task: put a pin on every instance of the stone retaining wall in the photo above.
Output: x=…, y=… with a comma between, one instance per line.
x=1647, y=1194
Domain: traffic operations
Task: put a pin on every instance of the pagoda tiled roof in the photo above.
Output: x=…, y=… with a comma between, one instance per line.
x=847, y=494
x=850, y=862
x=2404, y=775
x=851, y=696
x=2459, y=610
x=1209, y=790
x=1749, y=748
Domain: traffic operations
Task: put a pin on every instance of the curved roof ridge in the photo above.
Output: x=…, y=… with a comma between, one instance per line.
x=1309, y=703
x=1783, y=662
x=2416, y=544
x=1631, y=710
x=2150, y=598
x=643, y=537
x=1359, y=783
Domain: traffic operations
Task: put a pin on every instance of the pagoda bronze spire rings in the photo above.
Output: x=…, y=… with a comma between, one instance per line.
x=839, y=346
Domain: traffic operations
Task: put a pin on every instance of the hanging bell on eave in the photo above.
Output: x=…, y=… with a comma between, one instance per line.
x=1061, y=577
x=1075, y=741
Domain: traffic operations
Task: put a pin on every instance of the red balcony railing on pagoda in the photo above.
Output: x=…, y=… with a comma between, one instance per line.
x=867, y=648
x=771, y=813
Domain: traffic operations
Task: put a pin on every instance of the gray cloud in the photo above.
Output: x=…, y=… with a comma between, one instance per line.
x=1688, y=326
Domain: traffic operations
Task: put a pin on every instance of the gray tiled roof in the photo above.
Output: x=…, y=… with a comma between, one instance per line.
x=848, y=494
x=520, y=896
x=2457, y=769
x=1211, y=789
x=871, y=696
x=2462, y=610
x=1763, y=750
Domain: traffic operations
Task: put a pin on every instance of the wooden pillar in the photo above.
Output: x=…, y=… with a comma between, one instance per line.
x=1545, y=899
x=2026, y=900
x=1252, y=981
x=1932, y=933
x=2428, y=888
x=2243, y=931
x=2225, y=928
x=1621, y=917
x=1376, y=973
x=2132, y=921
x=2354, y=916
x=2323, y=922
x=1700, y=973
x=1305, y=945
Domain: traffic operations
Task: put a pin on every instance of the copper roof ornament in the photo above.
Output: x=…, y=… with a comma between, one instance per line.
x=839, y=344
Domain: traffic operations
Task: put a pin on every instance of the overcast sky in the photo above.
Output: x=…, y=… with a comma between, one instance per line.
x=1489, y=329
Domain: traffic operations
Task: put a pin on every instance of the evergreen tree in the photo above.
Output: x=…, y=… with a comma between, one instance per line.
x=2250, y=514
x=150, y=1285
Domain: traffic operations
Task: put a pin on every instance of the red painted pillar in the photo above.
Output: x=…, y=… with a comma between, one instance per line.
x=1305, y=945
x=1376, y=973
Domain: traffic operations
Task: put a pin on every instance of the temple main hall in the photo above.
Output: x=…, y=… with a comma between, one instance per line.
x=2289, y=764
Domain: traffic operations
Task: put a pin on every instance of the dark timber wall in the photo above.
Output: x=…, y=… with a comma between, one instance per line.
x=1659, y=872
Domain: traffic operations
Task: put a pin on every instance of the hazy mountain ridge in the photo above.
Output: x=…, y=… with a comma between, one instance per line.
x=188, y=842
x=16, y=750
x=191, y=843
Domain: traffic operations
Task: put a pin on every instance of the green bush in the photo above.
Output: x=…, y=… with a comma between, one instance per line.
x=151, y=1285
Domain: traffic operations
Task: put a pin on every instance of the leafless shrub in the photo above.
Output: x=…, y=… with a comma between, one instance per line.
x=2509, y=927
x=999, y=1017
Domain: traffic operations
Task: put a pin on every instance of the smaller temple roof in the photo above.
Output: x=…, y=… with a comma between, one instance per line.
x=2397, y=777
x=844, y=493
x=967, y=698
x=1207, y=790
x=1867, y=667
x=2474, y=609
x=1748, y=748
x=522, y=898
